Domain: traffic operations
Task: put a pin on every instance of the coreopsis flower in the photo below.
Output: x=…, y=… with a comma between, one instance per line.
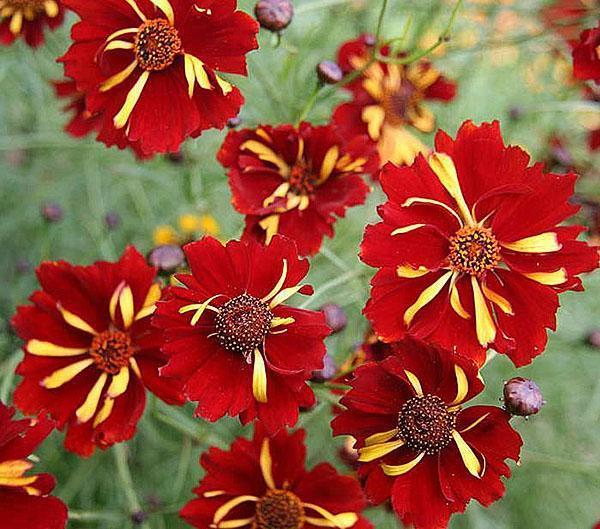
x=90, y=351
x=470, y=251
x=390, y=99
x=150, y=67
x=228, y=334
x=25, y=500
x=586, y=56
x=263, y=484
x=417, y=442
x=28, y=18
x=294, y=181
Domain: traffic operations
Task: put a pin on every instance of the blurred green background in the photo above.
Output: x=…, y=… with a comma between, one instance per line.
x=508, y=67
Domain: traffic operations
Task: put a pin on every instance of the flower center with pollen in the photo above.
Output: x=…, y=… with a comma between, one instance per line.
x=242, y=324
x=300, y=179
x=279, y=509
x=111, y=350
x=396, y=103
x=35, y=6
x=156, y=45
x=426, y=424
x=473, y=250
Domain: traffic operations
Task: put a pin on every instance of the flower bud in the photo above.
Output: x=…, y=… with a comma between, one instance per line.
x=23, y=266
x=348, y=454
x=523, y=397
x=328, y=372
x=139, y=517
x=167, y=258
x=335, y=317
x=112, y=220
x=274, y=15
x=593, y=339
x=234, y=123
x=52, y=212
x=329, y=72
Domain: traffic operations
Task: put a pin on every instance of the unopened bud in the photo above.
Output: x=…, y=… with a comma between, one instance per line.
x=52, y=212
x=523, y=397
x=593, y=338
x=329, y=72
x=167, y=258
x=233, y=123
x=112, y=220
x=274, y=15
x=139, y=517
x=328, y=372
x=335, y=317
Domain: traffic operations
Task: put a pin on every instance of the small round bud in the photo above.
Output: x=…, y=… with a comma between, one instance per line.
x=233, y=123
x=523, y=397
x=52, y=212
x=516, y=113
x=274, y=15
x=335, y=317
x=23, y=266
x=370, y=40
x=593, y=338
x=139, y=517
x=348, y=454
x=176, y=157
x=112, y=220
x=328, y=372
x=329, y=72
x=167, y=258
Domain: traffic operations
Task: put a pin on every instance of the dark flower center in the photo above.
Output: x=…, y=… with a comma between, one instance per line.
x=242, y=324
x=473, y=250
x=301, y=180
x=426, y=424
x=397, y=102
x=34, y=5
x=111, y=350
x=279, y=509
x=156, y=45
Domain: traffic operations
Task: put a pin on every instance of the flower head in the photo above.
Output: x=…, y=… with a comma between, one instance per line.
x=25, y=500
x=27, y=18
x=470, y=251
x=150, y=67
x=90, y=351
x=229, y=335
x=295, y=181
x=418, y=443
x=586, y=56
x=263, y=484
x=389, y=99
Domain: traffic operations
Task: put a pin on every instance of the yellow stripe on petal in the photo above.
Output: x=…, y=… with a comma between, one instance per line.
x=16, y=23
x=430, y=201
x=145, y=312
x=65, y=374
x=549, y=278
x=126, y=304
x=118, y=78
x=456, y=304
x=266, y=464
x=329, y=161
x=414, y=382
x=39, y=348
x=135, y=367
x=409, y=272
x=75, y=321
x=262, y=133
x=104, y=412
x=138, y=11
x=284, y=295
x=476, y=423
x=213, y=493
x=235, y=524
x=225, y=86
x=226, y=508
x=14, y=468
x=279, y=285
x=190, y=76
x=166, y=8
x=266, y=154
x=51, y=8
x=87, y=410
x=497, y=299
x=153, y=295
x=444, y=168
x=121, y=119
x=399, y=470
x=426, y=297
x=468, y=456
x=259, y=378
x=278, y=322
x=407, y=229
x=17, y=482
x=119, y=383
x=119, y=45
x=373, y=452
x=200, y=73
x=484, y=323
x=114, y=300
x=381, y=437
x=343, y=520
x=374, y=117
x=542, y=243
x=270, y=225
x=462, y=384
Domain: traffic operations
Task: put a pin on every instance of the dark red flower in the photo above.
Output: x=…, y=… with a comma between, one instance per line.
x=263, y=484
x=90, y=351
x=25, y=500
x=389, y=99
x=228, y=334
x=83, y=121
x=470, y=251
x=150, y=67
x=586, y=56
x=565, y=17
x=295, y=181
x=594, y=140
x=27, y=18
x=417, y=442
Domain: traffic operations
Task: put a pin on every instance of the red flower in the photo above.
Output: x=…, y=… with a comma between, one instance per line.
x=91, y=351
x=388, y=99
x=586, y=56
x=27, y=18
x=470, y=254
x=263, y=484
x=417, y=444
x=25, y=501
x=565, y=17
x=294, y=181
x=239, y=349
x=83, y=121
x=150, y=67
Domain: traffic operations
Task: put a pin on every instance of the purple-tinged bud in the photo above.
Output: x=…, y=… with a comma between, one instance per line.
x=523, y=397
x=23, y=266
x=234, y=123
x=167, y=258
x=335, y=317
x=52, y=212
x=593, y=338
x=139, y=517
x=328, y=372
x=370, y=40
x=176, y=158
x=274, y=15
x=112, y=220
x=329, y=72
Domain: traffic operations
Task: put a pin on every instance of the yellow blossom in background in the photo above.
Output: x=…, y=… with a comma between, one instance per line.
x=165, y=234
x=189, y=227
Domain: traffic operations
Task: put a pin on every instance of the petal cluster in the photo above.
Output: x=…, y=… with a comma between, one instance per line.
x=28, y=19
x=586, y=56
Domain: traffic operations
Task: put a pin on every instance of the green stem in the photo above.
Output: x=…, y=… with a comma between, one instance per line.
x=10, y=366
x=380, y=21
x=309, y=104
x=93, y=516
x=124, y=474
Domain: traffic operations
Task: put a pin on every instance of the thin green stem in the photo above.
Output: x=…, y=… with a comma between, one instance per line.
x=309, y=104
x=93, y=516
x=380, y=21
x=124, y=474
